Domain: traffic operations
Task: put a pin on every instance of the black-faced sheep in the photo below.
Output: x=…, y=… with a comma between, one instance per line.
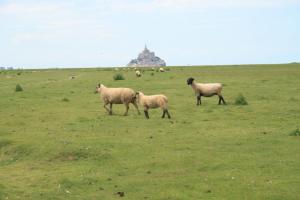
x=117, y=96
x=153, y=101
x=206, y=90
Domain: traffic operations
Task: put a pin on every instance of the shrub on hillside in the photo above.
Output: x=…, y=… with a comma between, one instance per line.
x=18, y=88
x=240, y=100
x=118, y=77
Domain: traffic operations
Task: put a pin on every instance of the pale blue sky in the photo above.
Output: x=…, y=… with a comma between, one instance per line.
x=80, y=33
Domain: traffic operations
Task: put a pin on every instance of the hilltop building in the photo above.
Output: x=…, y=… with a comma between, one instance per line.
x=147, y=59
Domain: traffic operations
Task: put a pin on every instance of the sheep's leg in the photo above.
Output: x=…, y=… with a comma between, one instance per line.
x=223, y=100
x=220, y=99
x=110, y=108
x=164, y=112
x=198, y=100
x=146, y=112
x=127, y=108
x=106, y=107
x=169, y=116
x=137, y=108
x=167, y=112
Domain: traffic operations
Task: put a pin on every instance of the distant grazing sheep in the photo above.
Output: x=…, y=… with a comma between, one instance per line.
x=206, y=90
x=161, y=69
x=153, y=101
x=117, y=96
x=138, y=73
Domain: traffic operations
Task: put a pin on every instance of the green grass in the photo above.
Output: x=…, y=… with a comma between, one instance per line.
x=57, y=141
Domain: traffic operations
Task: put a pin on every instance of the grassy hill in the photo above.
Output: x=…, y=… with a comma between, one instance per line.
x=57, y=141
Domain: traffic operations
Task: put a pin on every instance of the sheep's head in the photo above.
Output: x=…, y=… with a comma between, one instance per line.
x=98, y=88
x=137, y=94
x=189, y=81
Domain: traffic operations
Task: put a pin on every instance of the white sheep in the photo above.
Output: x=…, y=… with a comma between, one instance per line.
x=206, y=90
x=161, y=69
x=117, y=96
x=138, y=73
x=153, y=101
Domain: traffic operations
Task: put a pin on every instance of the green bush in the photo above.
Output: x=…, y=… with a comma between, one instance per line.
x=295, y=132
x=18, y=88
x=118, y=77
x=65, y=99
x=240, y=100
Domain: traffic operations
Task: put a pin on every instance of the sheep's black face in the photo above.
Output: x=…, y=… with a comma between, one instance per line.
x=97, y=88
x=190, y=81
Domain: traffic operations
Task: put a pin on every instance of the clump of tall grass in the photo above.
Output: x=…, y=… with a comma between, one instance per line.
x=118, y=76
x=65, y=99
x=295, y=132
x=240, y=100
x=18, y=88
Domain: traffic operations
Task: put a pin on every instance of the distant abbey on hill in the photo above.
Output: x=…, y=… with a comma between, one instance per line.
x=146, y=59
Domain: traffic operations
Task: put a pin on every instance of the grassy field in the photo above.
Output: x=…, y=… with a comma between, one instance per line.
x=57, y=142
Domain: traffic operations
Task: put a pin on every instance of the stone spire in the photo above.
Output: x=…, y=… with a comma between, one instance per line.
x=146, y=49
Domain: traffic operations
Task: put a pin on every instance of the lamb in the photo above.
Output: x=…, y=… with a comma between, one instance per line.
x=138, y=73
x=206, y=90
x=161, y=69
x=117, y=96
x=153, y=101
